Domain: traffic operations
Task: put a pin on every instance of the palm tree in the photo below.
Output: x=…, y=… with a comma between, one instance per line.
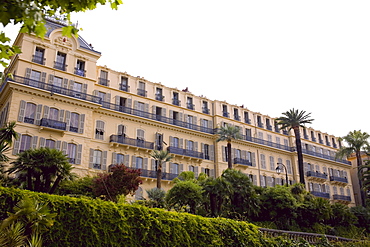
x=7, y=134
x=161, y=156
x=294, y=119
x=357, y=142
x=228, y=133
x=41, y=169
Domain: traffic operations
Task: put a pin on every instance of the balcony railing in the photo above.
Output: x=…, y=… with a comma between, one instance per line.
x=269, y=127
x=55, y=89
x=125, y=87
x=80, y=72
x=29, y=120
x=60, y=66
x=260, y=125
x=317, y=174
x=313, y=139
x=38, y=59
x=103, y=81
x=237, y=118
x=141, y=92
x=328, y=157
x=321, y=194
x=305, y=136
x=159, y=97
x=153, y=174
x=277, y=129
x=242, y=162
x=131, y=142
x=247, y=120
x=338, y=179
x=176, y=102
x=328, y=143
x=205, y=110
x=225, y=114
x=185, y=152
x=267, y=143
x=342, y=198
x=190, y=106
x=50, y=123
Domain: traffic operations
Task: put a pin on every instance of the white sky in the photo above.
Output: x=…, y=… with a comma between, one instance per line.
x=268, y=55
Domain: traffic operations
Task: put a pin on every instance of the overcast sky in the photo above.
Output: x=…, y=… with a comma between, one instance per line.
x=269, y=56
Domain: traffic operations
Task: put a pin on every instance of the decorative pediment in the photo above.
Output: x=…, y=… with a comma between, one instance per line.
x=63, y=42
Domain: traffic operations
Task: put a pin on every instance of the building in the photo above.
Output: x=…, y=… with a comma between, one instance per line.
x=62, y=99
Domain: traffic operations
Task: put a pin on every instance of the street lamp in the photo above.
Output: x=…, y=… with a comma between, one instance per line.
x=278, y=171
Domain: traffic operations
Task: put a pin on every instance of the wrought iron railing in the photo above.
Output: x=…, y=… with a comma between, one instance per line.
x=242, y=162
x=317, y=174
x=321, y=194
x=50, y=123
x=130, y=141
x=338, y=179
x=185, y=152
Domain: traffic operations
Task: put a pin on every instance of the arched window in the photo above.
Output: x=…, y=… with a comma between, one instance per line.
x=25, y=143
x=139, y=163
x=53, y=114
x=50, y=143
x=72, y=152
x=75, y=119
x=30, y=113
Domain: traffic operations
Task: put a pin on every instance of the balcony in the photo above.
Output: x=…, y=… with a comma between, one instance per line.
x=324, y=156
x=97, y=166
x=141, y=92
x=190, y=106
x=29, y=120
x=342, y=199
x=103, y=81
x=237, y=118
x=305, y=136
x=80, y=72
x=269, y=127
x=54, y=124
x=321, y=141
x=243, y=162
x=125, y=87
x=277, y=129
x=159, y=97
x=176, y=102
x=268, y=143
x=185, y=152
x=225, y=114
x=247, y=120
x=321, y=194
x=259, y=124
x=328, y=143
x=205, y=110
x=338, y=180
x=121, y=139
x=153, y=174
x=285, y=132
x=38, y=59
x=317, y=176
x=73, y=129
x=313, y=139
x=60, y=66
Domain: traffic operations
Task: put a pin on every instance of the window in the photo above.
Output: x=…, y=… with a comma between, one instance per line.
x=71, y=152
x=97, y=159
x=225, y=113
x=175, y=99
x=192, y=168
x=190, y=145
x=263, y=181
x=124, y=84
x=189, y=103
x=189, y=121
x=313, y=136
x=141, y=89
x=206, y=151
x=207, y=172
x=260, y=135
x=159, y=94
x=99, y=130
x=75, y=119
x=268, y=125
x=175, y=142
x=140, y=108
x=204, y=124
x=139, y=163
x=80, y=68
x=57, y=84
x=236, y=114
x=103, y=79
x=259, y=121
x=60, y=62
x=263, y=161
x=140, y=137
x=272, y=163
x=25, y=143
x=50, y=143
x=35, y=78
x=120, y=159
x=53, y=114
x=175, y=168
x=30, y=113
x=246, y=118
x=205, y=107
x=288, y=166
x=39, y=56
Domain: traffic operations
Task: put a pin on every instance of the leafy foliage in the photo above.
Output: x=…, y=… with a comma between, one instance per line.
x=160, y=156
x=185, y=194
x=121, y=181
x=228, y=133
x=76, y=187
x=156, y=197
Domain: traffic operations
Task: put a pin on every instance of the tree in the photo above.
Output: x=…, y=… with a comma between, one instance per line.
x=357, y=142
x=31, y=14
x=156, y=197
x=121, y=181
x=160, y=156
x=41, y=169
x=7, y=134
x=185, y=193
x=76, y=187
x=217, y=191
x=228, y=133
x=294, y=119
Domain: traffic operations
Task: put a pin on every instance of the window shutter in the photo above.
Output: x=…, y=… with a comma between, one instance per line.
x=126, y=160
x=82, y=123
x=17, y=143
x=145, y=165
x=153, y=164
x=43, y=78
x=305, y=166
x=91, y=158
x=170, y=115
x=46, y=111
x=171, y=167
x=71, y=84
x=181, y=116
x=61, y=115
x=154, y=109
x=104, y=163
x=163, y=112
x=181, y=168
x=196, y=146
x=84, y=88
x=196, y=171
x=68, y=119
x=212, y=173
x=28, y=73
x=108, y=97
x=223, y=153
x=38, y=114
x=181, y=143
x=164, y=167
x=57, y=145
x=120, y=129
x=22, y=109
x=253, y=157
x=65, y=83
x=146, y=107
x=133, y=161
x=51, y=79
x=254, y=179
x=135, y=104
x=212, y=152
x=64, y=147
x=79, y=153
x=171, y=141
x=42, y=142
x=129, y=103
x=202, y=170
x=34, y=142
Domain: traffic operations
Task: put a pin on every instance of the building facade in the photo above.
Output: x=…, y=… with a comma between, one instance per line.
x=60, y=98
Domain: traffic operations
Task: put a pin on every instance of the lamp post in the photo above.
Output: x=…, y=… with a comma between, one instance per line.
x=278, y=171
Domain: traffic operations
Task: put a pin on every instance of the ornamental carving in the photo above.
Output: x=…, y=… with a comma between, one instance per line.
x=63, y=41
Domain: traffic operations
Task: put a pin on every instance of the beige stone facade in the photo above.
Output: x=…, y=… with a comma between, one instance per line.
x=61, y=98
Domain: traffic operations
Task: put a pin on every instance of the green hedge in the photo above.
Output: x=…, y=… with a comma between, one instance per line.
x=87, y=222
